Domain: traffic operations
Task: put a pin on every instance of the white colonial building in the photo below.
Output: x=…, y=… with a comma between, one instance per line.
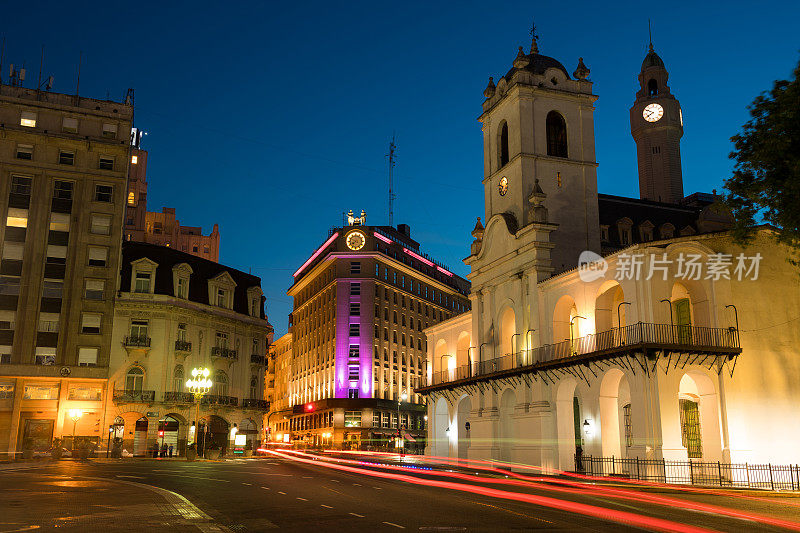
x=677, y=344
x=175, y=312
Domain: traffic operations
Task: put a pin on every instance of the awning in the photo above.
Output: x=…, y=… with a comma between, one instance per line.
x=409, y=437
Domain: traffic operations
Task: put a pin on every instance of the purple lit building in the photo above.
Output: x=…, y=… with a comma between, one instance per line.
x=361, y=303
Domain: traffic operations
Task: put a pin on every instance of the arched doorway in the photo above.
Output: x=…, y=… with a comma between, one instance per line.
x=248, y=428
x=508, y=333
x=217, y=434
x=441, y=442
x=168, y=433
x=507, y=402
x=565, y=325
x=462, y=421
x=568, y=423
x=140, y=437
x=698, y=409
x=616, y=426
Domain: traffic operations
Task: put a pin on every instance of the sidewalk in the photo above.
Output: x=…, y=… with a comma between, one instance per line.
x=82, y=503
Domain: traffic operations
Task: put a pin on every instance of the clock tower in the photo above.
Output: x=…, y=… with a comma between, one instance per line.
x=657, y=128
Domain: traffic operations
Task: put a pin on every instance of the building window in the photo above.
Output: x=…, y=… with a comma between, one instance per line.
x=69, y=125
x=134, y=160
x=48, y=391
x=134, y=380
x=45, y=356
x=25, y=151
x=62, y=190
x=132, y=200
x=626, y=416
x=352, y=419
x=21, y=185
x=177, y=378
x=101, y=224
x=52, y=288
x=652, y=88
x=90, y=323
x=556, y=134
x=355, y=309
x=355, y=289
x=376, y=419
x=690, y=428
x=66, y=158
x=110, y=130
x=355, y=330
x=103, y=193
x=143, y=282
x=254, y=387
x=355, y=267
x=352, y=372
x=87, y=356
x=106, y=163
x=27, y=119
x=98, y=256
x=182, y=286
x=503, y=144
x=221, y=383
x=221, y=339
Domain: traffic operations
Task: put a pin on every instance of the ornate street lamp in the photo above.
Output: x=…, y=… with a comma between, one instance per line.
x=75, y=415
x=199, y=386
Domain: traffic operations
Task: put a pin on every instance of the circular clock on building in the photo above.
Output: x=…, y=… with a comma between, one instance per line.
x=503, y=186
x=653, y=113
x=355, y=240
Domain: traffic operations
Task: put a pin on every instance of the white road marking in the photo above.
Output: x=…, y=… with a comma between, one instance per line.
x=266, y=488
x=356, y=514
x=377, y=488
x=248, y=484
x=357, y=484
x=326, y=506
x=335, y=481
x=395, y=525
x=131, y=477
x=281, y=492
x=307, y=477
x=299, y=498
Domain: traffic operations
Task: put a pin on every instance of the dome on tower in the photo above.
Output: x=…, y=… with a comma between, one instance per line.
x=652, y=60
x=538, y=64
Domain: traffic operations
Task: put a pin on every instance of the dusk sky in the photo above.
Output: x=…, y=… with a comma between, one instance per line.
x=271, y=119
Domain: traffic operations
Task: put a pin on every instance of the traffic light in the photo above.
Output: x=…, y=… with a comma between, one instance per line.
x=160, y=433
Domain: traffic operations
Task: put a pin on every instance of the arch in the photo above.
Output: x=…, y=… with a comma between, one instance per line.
x=249, y=428
x=507, y=404
x=652, y=87
x=698, y=410
x=556, y=134
x=606, y=305
x=615, y=439
x=140, y=437
x=690, y=305
x=134, y=379
x=172, y=432
x=563, y=313
x=444, y=361
x=502, y=145
x=462, y=349
x=462, y=419
x=441, y=426
x=565, y=422
x=507, y=341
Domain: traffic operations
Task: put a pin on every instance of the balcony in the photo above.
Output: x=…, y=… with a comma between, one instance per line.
x=134, y=396
x=183, y=347
x=137, y=343
x=178, y=397
x=224, y=353
x=256, y=359
x=252, y=403
x=214, y=399
x=642, y=342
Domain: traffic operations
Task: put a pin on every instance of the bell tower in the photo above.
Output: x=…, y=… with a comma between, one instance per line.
x=538, y=126
x=657, y=128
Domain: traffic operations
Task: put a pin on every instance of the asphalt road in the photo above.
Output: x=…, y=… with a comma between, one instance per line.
x=285, y=493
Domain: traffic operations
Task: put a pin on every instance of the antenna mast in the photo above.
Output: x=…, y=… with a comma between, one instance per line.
x=392, y=163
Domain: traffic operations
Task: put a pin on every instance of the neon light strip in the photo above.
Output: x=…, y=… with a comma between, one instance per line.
x=384, y=239
x=319, y=251
x=443, y=271
x=417, y=256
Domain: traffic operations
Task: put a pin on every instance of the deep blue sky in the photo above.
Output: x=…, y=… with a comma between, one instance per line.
x=272, y=119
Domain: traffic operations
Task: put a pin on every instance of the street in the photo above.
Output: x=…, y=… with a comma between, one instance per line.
x=347, y=492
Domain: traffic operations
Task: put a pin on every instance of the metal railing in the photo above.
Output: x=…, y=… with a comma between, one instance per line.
x=680, y=337
x=134, y=395
x=137, y=342
x=214, y=399
x=183, y=346
x=228, y=353
x=255, y=403
x=179, y=397
x=257, y=359
x=756, y=476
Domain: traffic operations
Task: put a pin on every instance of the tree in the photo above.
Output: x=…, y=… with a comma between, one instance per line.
x=765, y=186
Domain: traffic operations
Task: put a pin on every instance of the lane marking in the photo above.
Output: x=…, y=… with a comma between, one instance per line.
x=356, y=514
x=395, y=525
x=357, y=484
x=299, y=498
x=307, y=477
x=377, y=488
x=281, y=492
x=336, y=481
x=326, y=506
x=512, y=512
x=266, y=488
x=131, y=477
x=248, y=484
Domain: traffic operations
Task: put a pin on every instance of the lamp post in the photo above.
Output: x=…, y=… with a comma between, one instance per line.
x=671, y=321
x=619, y=320
x=199, y=386
x=403, y=397
x=75, y=415
x=571, y=335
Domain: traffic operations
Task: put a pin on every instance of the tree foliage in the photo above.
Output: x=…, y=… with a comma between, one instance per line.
x=765, y=186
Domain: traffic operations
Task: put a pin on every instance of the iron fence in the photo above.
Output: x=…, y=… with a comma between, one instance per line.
x=732, y=475
x=681, y=338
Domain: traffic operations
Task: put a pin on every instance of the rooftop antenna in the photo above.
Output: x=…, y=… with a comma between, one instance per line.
x=392, y=163
x=2, y=54
x=41, y=64
x=650, y=34
x=78, y=84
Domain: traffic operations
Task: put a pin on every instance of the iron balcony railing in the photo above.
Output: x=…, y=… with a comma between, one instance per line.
x=134, y=395
x=183, y=346
x=666, y=336
x=257, y=359
x=254, y=403
x=179, y=397
x=214, y=399
x=137, y=342
x=227, y=353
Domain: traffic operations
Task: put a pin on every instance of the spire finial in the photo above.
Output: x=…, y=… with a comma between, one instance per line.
x=650, y=34
x=534, y=39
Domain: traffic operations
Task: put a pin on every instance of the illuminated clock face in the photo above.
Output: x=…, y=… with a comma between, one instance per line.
x=503, y=186
x=355, y=240
x=653, y=112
